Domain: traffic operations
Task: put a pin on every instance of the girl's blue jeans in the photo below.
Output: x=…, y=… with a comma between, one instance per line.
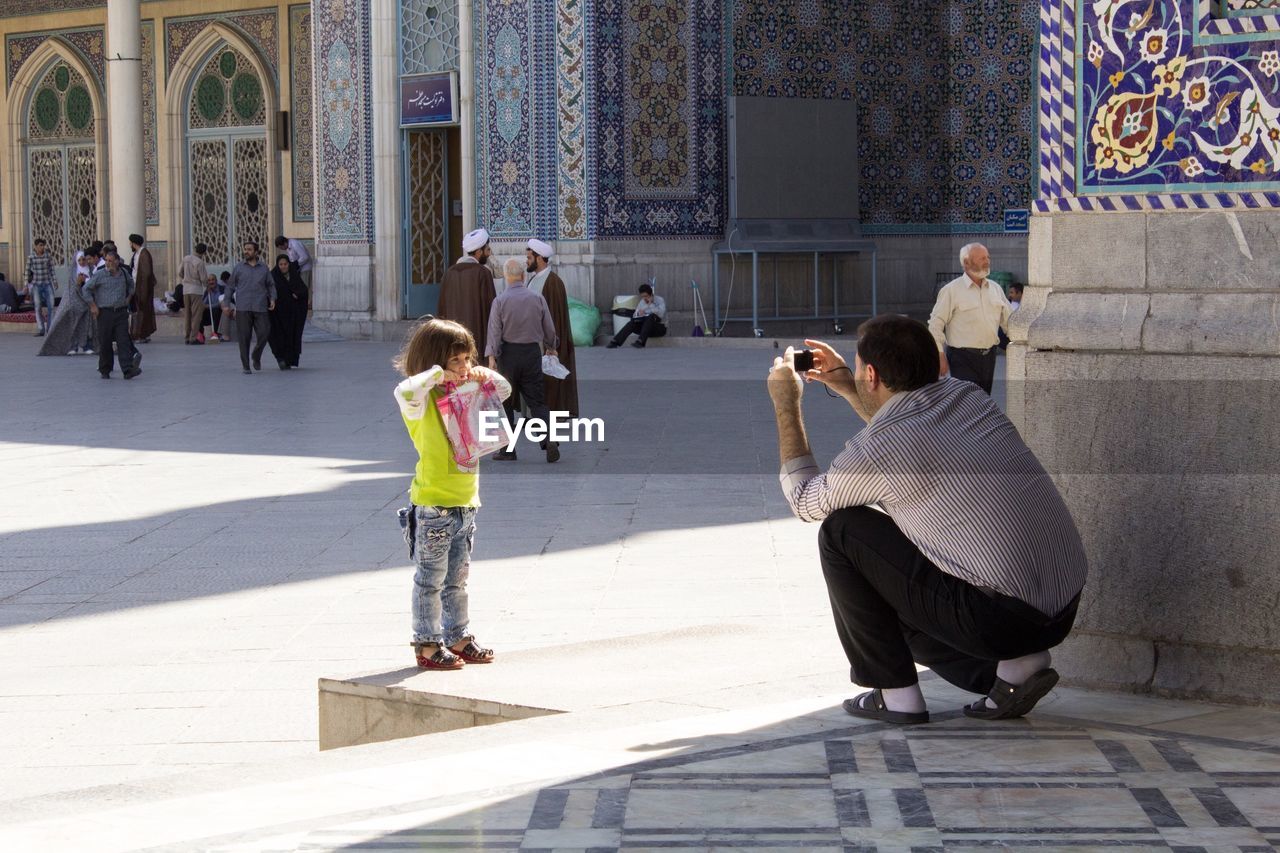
x=440, y=541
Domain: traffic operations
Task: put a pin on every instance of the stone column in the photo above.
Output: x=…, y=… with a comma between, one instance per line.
x=124, y=120
x=388, y=217
x=1144, y=366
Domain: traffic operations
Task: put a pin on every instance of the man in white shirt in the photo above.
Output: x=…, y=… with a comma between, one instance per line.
x=298, y=254
x=967, y=319
x=647, y=321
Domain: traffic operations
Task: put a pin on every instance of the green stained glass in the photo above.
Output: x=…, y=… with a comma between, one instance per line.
x=47, y=109
x=62, y=77
x=246, y=96
x=79, y=107
x=211, y=98
x=227, y=64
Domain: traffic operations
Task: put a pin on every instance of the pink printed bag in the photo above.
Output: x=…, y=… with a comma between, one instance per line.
x=461, y=407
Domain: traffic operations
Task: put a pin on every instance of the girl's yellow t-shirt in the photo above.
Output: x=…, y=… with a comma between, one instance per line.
x=437, y=480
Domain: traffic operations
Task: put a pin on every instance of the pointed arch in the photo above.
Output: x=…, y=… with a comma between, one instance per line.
x=179, y=82
x=53, y=50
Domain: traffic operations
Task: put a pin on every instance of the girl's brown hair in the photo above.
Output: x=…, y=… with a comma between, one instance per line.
x=434, y=342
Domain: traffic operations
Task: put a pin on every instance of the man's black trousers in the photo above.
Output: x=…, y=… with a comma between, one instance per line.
x=259, y=324
x=974, y=365
x=893, y=608
x=113, y=327
x=646, y=327
x=521, y=365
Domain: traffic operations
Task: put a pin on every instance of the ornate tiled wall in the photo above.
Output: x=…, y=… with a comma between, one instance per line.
x=302, y=112
x=344, y=122
x=516, y=121
x=945, y=91
x=86, y=41
x=1173, y=105
x=260, y=27
x=657, y=118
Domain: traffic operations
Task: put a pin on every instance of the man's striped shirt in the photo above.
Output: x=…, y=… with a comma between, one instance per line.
x=952, y=472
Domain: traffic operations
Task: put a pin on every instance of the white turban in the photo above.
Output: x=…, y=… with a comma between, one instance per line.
x=541, y=248
x=477, y=239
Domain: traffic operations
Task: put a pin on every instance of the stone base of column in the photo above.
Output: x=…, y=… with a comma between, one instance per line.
x=1145, y=374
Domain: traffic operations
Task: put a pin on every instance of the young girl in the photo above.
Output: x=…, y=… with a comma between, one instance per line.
x=445, y=498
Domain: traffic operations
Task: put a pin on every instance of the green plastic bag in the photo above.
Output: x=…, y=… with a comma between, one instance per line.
x=584, y=320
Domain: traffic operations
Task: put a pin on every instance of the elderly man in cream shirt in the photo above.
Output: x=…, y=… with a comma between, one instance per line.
x=967, y=319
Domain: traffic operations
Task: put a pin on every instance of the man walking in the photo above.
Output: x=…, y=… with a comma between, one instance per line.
x=144, y=320
x=108, y=292
x=40, y=281
x=954, y=573
x=520, y=332
x=561, y=394
x=467, y=292
x=968, y=317
x=646, y=321
x=251, y=294
x=193, y=274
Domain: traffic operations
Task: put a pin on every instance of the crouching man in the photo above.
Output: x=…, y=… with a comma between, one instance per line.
x=954, y=573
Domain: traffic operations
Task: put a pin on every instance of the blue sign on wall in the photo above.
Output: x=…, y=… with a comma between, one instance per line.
x=1017, y=221
x=427, y=99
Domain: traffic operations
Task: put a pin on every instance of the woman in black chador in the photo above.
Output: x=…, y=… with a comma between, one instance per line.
x=290, y=314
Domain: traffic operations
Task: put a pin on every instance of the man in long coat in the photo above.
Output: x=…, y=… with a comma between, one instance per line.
x=143, y=323
x=467, y=292
x=562, y=394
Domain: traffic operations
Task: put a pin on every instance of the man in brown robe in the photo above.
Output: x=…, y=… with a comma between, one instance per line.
x=467, y=292
x=143, y=323
x=562, y=394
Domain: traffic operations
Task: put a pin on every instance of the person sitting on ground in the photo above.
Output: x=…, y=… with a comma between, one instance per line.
x=647, y=321
x=954, y=573
x=212, y=299
x=8, y=297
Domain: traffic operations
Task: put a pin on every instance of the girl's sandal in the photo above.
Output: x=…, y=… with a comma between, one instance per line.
x=471, y=653
x=442, y=658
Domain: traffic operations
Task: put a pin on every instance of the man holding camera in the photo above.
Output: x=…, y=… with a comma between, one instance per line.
x=927, y=554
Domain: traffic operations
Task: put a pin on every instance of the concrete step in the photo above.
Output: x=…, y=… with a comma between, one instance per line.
x=657, y=666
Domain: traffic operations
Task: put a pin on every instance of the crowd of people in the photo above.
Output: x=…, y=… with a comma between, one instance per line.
x=109, y=306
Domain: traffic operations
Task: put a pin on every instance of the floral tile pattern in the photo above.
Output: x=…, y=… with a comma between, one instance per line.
x=1171, y=107
x=1161, y=113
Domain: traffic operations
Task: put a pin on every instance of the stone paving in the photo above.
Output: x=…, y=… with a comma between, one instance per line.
x=184, y=555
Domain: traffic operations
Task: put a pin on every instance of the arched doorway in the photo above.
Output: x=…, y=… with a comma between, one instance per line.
x=61, y=158
x=228, y=157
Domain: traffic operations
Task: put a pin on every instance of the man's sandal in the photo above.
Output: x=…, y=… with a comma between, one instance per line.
x=471, y=653
x=1013, y=700
x=442, y=658
x=870, y=706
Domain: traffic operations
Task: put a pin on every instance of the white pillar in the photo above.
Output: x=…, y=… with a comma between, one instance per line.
x=124, y=120
x=387, y=202
x=466, y=113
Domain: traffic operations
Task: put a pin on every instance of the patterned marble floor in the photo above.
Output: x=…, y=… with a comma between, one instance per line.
x=1048, y=783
